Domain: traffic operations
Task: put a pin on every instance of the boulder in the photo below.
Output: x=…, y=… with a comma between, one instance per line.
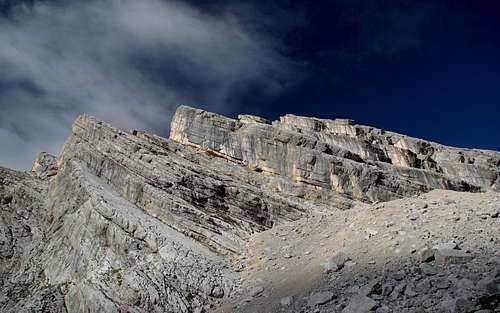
x=320, y=298
x=335, y=263
x=360, y=304
x=452, y=256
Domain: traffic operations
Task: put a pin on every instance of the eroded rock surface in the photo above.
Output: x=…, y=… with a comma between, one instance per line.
x=363, y=162
x=133, y=222
x=45, y=165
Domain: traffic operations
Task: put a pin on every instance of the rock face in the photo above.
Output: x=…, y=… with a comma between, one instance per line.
x=362, y=162
x=132, y=222
x=45, y=165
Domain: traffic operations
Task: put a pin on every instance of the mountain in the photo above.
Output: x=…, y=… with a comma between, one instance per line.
x=296, y=215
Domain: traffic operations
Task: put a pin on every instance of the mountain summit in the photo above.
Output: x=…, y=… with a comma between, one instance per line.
x=247, y=215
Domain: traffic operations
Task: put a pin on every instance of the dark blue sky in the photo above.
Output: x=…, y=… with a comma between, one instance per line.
x=429, y=69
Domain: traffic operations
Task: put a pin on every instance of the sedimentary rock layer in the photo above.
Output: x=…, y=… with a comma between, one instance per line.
x=363, y=162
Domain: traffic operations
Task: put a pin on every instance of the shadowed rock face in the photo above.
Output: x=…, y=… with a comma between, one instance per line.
x=132, y=222
x=362, y=162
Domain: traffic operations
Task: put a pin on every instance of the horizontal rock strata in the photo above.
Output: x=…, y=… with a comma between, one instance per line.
x=362, y=162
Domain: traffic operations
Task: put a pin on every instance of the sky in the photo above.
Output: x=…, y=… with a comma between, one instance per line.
x=429, y=69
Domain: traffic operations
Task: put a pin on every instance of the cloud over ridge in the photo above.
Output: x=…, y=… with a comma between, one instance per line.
x=128, y=62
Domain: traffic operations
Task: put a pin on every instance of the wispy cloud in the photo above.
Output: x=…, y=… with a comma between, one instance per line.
x=125, y=61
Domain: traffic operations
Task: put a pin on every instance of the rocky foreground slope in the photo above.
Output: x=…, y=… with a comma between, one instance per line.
x=297, y=215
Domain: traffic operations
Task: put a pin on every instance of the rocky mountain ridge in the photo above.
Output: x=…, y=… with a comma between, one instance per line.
x=362, y=162
x=133, y=222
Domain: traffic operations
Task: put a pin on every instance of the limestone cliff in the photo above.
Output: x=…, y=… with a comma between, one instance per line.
x=361, y=162
x=132, y=222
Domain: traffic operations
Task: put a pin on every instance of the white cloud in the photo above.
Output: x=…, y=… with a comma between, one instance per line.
x=128, y=62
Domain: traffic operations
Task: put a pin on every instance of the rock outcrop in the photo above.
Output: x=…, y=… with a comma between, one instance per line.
x=133, y=222
x=45, y=165
x=362, y=162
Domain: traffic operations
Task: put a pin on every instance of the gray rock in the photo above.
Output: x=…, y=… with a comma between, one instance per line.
x=327, y=154
x=360, y=304
x=426, y=254
x=441, y=283
x=452, y=256
x=45, y=165
x=373, y=287
x=383, y=309
x=429, y=269
x=387, y=288
x=256, y=291
x=465, y=284
x=459, y=305
x=398, y=290
x=286, y=301
x=217, y=292
x=446, y=245
x=335, y=263
x=489, y=285
x=423, y=285
x=410, y=290
x=320, y=298
x=246, y=118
